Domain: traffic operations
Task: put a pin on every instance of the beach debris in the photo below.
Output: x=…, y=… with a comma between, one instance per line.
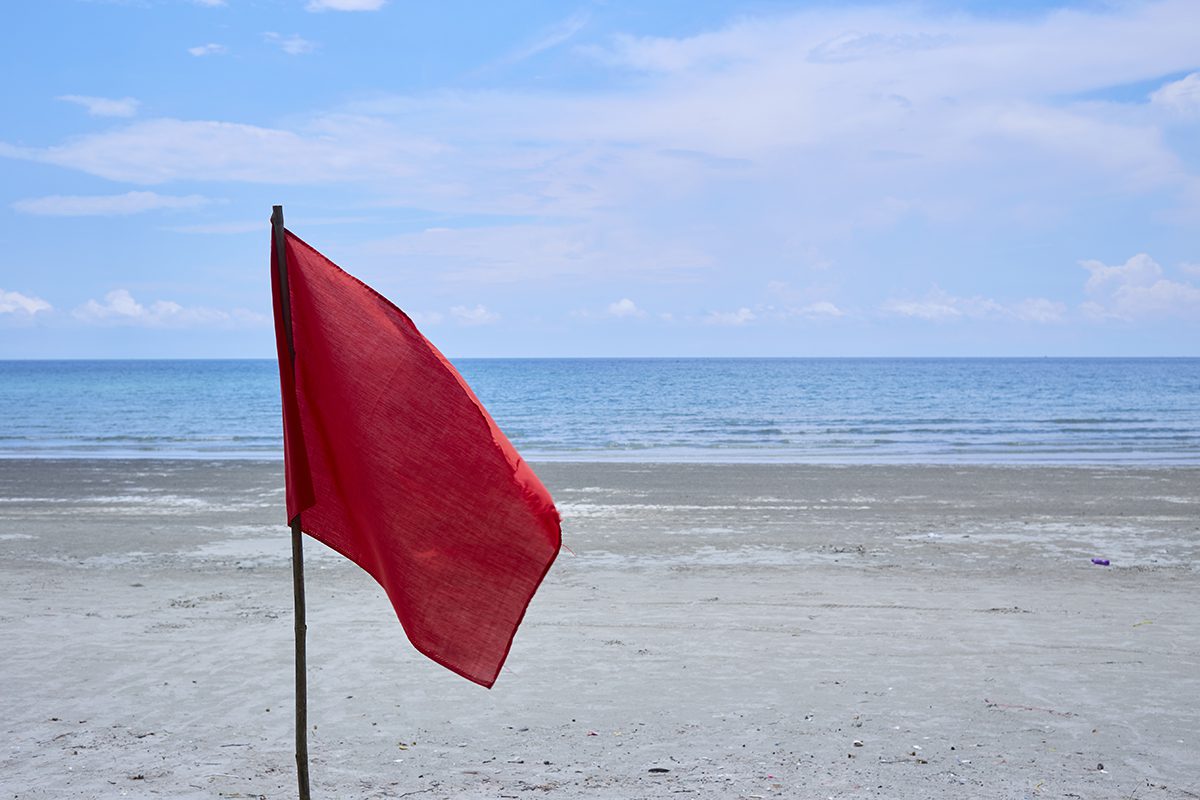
x=658, y=770
x=1143, y=622
x=549, y=786
x=858, y=743
x=1100, y=562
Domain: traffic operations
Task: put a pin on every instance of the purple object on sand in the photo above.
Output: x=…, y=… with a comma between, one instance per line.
x=1100, y=562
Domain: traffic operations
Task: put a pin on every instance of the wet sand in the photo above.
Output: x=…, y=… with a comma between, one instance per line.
x=754, y=631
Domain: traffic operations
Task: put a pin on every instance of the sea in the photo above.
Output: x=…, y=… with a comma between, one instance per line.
x=1099, y=411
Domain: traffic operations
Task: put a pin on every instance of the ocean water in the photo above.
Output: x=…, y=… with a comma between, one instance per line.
x=971, y=411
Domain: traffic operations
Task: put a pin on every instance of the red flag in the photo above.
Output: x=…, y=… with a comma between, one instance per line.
x=393, y=462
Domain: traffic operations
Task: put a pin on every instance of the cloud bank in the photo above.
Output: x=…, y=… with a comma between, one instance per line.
x=104, y=106
x=120, y=308
x=20, y=304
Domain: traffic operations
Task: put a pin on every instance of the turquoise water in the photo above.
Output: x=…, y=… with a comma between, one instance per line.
x=1081, y=411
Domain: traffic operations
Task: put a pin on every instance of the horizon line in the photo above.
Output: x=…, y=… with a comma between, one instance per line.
x=647, y=358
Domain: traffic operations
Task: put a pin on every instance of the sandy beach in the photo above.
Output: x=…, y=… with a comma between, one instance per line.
x=717, y=631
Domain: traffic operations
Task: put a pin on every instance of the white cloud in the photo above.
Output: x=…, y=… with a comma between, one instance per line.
x=1161, y=298
x=625, y=308
x=552, y=37
x=337, y=148
x=1132, y=290
x=209, y=3
x=1056, y=52
x=1135, y=154
x=1039, y=309
x=479, y=315
x=424, y=318
x=929, y=87
x=821, y=309
x=1190, y=268
x=1140, y=270
x=210, y=49
x=104, y=106
x=733, y=318
x=1181, y=96
x=120, y=308
x=106, y=205
x=17, y=303
x=940, y=306
x=1137, y=289
x=805, y=303
x=345, y=5
x=294, y=45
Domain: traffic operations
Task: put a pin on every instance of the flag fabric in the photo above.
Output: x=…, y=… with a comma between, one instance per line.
x=393, y=462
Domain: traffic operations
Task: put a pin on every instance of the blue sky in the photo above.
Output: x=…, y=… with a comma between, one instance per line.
x=608, y=178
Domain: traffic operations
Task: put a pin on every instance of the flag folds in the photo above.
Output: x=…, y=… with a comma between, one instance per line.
x=393, y=462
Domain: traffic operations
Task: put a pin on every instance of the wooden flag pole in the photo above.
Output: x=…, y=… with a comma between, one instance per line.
x=301, y=665
x=297, y=540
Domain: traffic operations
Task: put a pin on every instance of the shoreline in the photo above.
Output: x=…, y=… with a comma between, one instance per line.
x=740, y=626
x=1190, y=462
